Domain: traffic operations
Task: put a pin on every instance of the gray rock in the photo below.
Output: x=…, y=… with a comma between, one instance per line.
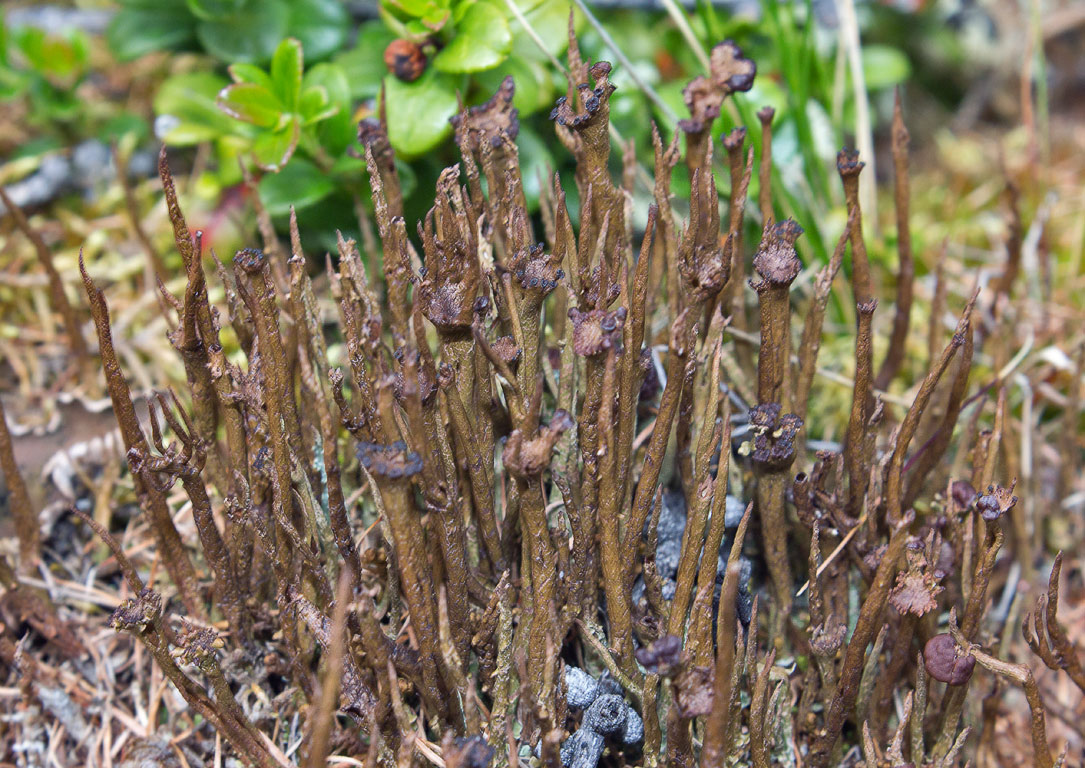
x=634, y=728
x=580, y=687
x=582, y=750
x=606, y=715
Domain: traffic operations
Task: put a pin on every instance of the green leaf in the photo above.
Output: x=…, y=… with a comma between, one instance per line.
x=332, y=79
x=433, y=15
x=418, y=112
x=251, y=104
x=299, y=184
x=135, y=32
x=320, y=25
x=214, y=9
x=364, y=63
x=192, y=100
x=482, y=41
x=550, y=21
x=273, y=149
x=249, y=73
x=315, y=105
x=286, y=68
x=336, y=131
x=884, y=67
x=249, y=35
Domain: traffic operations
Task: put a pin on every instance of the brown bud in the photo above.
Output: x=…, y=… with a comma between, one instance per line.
x=996, y=502
x=848, y=163
x=772, y=447
x=490, y=122
x=946, y=662
x=405, y=60
x=136, y=614
x=663, y=657
x=596, y=331
x=735, y=139
x=776, y=261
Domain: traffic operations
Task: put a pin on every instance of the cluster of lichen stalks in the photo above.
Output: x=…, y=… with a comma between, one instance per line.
x=512, y=407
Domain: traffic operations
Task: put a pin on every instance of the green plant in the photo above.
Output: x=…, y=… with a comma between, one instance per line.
x=468, y=46
x=288, y=123
x=230, y=30
x=45, y=69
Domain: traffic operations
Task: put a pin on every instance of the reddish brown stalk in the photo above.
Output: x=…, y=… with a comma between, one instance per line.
x=77, y=345
x=854, y=455
x=1022, y=675
x=611, y=498
x=527, y=458
x=1046, y=637
x=718, y=722
x=665, y=245
x=392, y=466
x=906, y=269
x=324, y=714
x=849, y=166
x=773, y=451
x=759, y=747
x=152, y=500
x=737, y=288
x=27, y=526
x=893, y=485
x=680, y=352
x=700, y=631
x=188, y=340
x=277, y=391
x=480, y=480
x=869, y=622
x=815, y=317
x=764, y=171
x=777, y=266
x=932, y=452
x=700, y=502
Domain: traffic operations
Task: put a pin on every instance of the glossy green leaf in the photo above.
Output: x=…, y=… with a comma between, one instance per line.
x=364, y=63
x=214, y=9
x=249, y=73
x=191, y=99
x=273, y=149
x=136, y=31
x=418, y=112
x=430, y=12
x=332, y=79
x=550, y=21
x=251, y=103
x=315, y=105
x=249, y=35
x=300, y=184
x=482, y=41
x=335, y=132
x=320, y=25
x=286, y=69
